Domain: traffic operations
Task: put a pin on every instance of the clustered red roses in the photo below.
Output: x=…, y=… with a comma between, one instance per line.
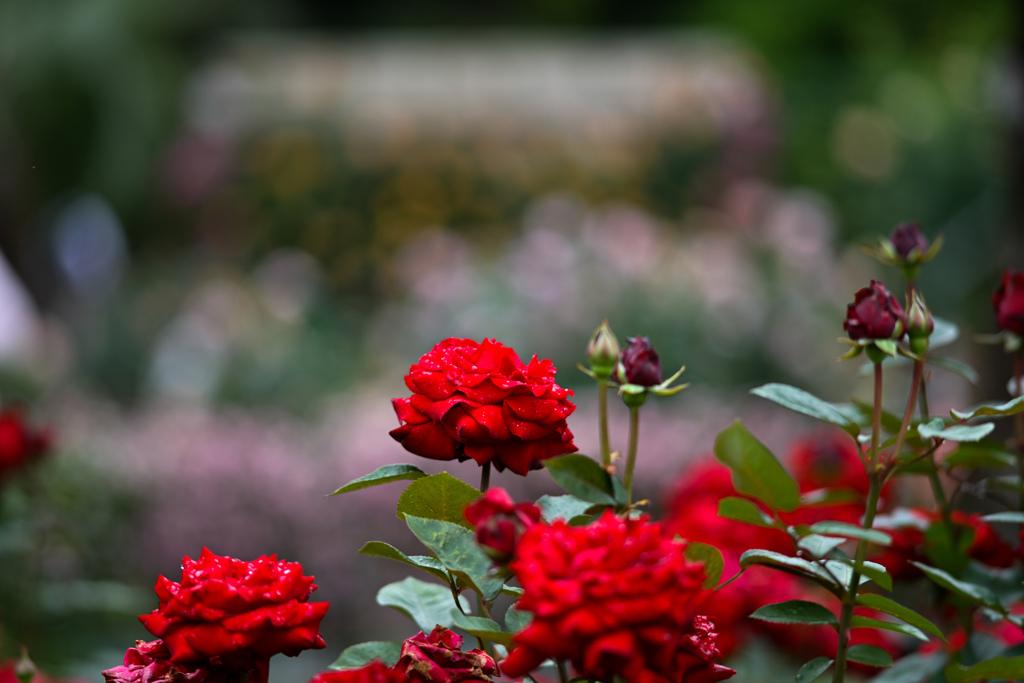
x=616, y=598
x=227, y=616
x=437, y=658
x=478, y=400
x=20, y=443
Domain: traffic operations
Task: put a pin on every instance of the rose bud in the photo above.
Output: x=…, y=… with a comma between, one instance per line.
x=908, y=241
x=874, y=314
x=639, y=363
x=1008, y=302
x=438, y=658
x=500, y=522
x=920, y=324
x=603, y=352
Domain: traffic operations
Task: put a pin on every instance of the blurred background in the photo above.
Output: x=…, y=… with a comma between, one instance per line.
x=227, y=229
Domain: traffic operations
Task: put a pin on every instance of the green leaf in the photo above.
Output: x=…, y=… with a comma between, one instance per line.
x=712, y=559
x=428, y=604
x=480, y=626
x=869, y=654
x=382, y=475
x=805, y=403
x=755, y=471
x=1008, y=408
x=357, y=656
x=743, y=510
x=456, y=548
x=381, y=549
x=513, y=591
x=796, y=565
x=1010, y=668
x=979, y=455
x=439, y=496
x=820, y=546
x=893, y=608
x=858, y=621
x=937, y=428
x=847, y=530
x=796, y=612
x=583, y=477
x=870, y=570
x=977, y=594
x=945, y=333
x=516, y=620
x=1012, y=517
x=810, y=671
x=956, y=367
x=561, y=507
x=912, y=669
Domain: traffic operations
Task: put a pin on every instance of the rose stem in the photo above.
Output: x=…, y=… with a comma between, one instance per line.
x=1018, y=420
x=933, y=473
x=602, y=420
x=634, y=437
x=485, y=476
x=562, y=675
x=874, y=490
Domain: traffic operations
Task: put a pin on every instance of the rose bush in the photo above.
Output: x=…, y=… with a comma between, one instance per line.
x=438, y=658
x=478, y=400
x=616, y=598
x=236, y=614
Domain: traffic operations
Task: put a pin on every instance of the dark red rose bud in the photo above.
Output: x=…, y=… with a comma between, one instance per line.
x=20, y=443
x=1008, y=302
x=874, y=314
x=907, y=238
x=500, y=522
x=438, y=658
x=639, y=363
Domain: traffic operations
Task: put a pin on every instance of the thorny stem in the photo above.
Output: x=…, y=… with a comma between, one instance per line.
x=1018, y=419
x=602, y=421
x=485, y=476
x=874, y=491
x=634, y=437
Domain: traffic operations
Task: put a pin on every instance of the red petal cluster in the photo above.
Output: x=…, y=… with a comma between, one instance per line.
x=616, y=598
x=1008, y=302
x=237, y=614
x=875, y=314
x=374, y=672
x=438, y=658
x=478, y=400
x=20, y=444
x=499, y=523
x=151, y=663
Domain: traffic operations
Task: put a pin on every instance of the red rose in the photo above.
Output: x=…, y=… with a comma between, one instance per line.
x=875, y=314
x=500, y=522
x=480, y=401
x=150, y=663
x=1008, y=301
x=374, y=672
x=616, y=598
x=438, y=658
x=19, y=443
x=639, y=363
x=236, y=613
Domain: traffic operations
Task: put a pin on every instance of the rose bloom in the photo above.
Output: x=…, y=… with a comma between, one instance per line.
x=438, y=658
x=1008, y=302
x=20, y=444
x=874, y=314
x=237, y=614
x=639, y=363
x=616, y=598
x=150, y=663
x=374, y=672
x=478, y=400
x=500, y=522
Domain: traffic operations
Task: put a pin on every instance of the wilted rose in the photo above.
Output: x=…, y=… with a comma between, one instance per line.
x=150, y=663
x=438, y=658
